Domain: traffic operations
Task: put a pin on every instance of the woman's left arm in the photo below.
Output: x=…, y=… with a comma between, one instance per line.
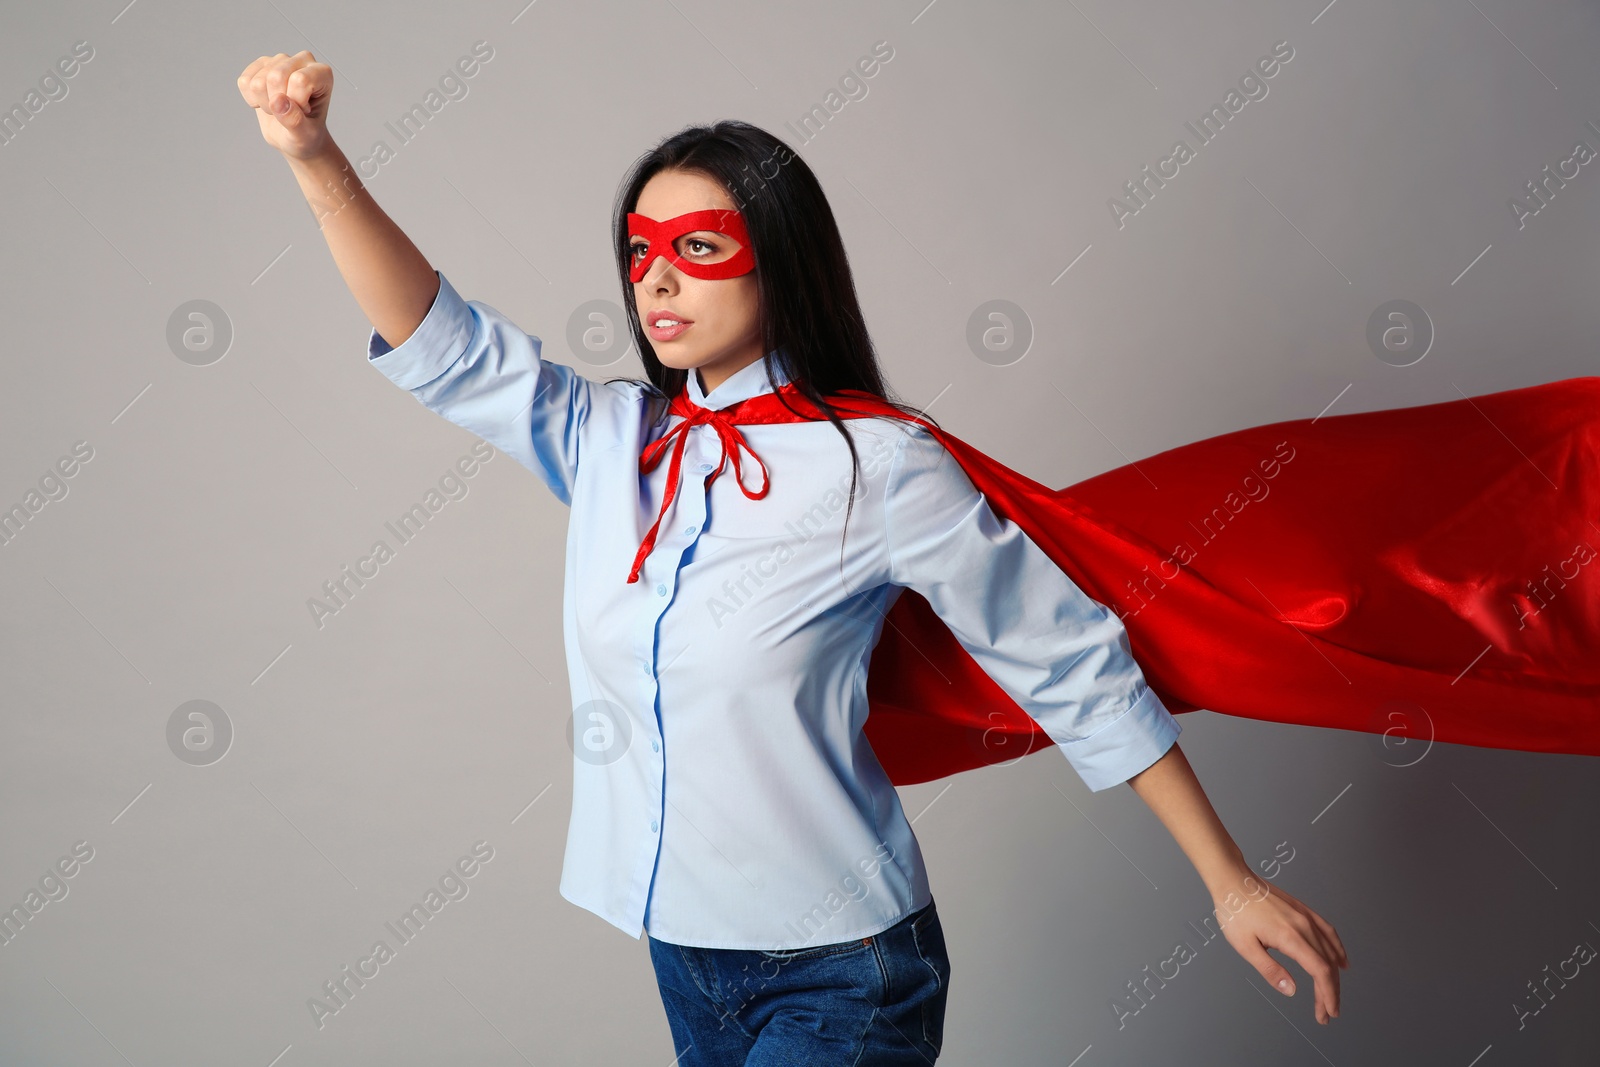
x=1254, y=914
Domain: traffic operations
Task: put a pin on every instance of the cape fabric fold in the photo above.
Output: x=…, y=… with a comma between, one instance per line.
x=1429, y=572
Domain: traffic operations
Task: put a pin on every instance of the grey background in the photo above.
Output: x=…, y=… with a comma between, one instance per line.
x=370, y=754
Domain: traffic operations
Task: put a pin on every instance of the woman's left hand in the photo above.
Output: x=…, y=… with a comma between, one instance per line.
x=1256, y=915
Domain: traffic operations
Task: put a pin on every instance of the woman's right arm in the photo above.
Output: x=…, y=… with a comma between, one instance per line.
x=386, y=273
x=461, y=359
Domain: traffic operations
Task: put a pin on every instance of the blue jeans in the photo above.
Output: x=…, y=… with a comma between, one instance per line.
x=872, y=1001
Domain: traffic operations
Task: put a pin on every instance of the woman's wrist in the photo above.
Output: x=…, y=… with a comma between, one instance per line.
x=316, y=169
x=1229, y=874
x=327, y=180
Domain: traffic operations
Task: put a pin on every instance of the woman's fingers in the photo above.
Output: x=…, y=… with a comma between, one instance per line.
x=1276, y=974
x=269, y=75
x=1309, y=926
x=277, y=78
x=1327, y=957
x=257, y=80
x=1320, y=963
x=1281, y=922
x=1320, y=930
x=247, y=81
x=309, y=87
x=1333, y=935
x=273, y=78
x=1324, y=976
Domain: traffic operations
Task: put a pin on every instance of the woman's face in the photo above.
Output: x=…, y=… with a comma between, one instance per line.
x=723, y=317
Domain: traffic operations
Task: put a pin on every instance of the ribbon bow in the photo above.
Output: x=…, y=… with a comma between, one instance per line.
x=725, y=420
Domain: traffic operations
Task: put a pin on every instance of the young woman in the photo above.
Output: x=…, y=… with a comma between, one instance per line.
x=728, y=573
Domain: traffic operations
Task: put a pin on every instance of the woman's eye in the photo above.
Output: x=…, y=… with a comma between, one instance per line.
x=694, y=246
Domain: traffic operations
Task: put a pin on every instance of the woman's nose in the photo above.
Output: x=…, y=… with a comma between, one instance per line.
x=660, y=273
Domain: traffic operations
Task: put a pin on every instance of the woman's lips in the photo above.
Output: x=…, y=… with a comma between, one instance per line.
x=667, y=333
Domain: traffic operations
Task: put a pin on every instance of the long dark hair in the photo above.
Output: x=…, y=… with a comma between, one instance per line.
x=810, y=317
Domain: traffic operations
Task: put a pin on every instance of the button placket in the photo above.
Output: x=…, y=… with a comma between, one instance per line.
x=646, y=641
x=663, y=550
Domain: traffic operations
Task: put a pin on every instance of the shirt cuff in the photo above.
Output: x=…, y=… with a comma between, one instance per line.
x=1128, y=744
x=430, y=350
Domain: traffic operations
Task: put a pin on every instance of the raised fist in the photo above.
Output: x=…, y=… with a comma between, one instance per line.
x=291, y=96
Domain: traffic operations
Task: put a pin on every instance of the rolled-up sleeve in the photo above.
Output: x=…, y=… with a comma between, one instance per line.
x=478, y=369
x=1062, y=656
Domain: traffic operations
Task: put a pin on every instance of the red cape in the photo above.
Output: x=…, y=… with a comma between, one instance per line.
x=1430, y=571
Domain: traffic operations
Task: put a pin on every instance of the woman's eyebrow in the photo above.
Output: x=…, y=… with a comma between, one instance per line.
x=639, y=238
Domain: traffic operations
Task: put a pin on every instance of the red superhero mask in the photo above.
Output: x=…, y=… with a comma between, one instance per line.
x=663, y=237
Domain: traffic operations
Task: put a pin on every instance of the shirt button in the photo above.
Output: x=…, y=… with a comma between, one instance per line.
x=655, y=746
x=661, y=590
x=655, y=827
x=688, y=530
x=705, y=466
x=646, y=668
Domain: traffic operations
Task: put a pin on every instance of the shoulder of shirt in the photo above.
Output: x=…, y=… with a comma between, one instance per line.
x=634, y=395
x=909, y=447
x=888, y=437
x=637, y=391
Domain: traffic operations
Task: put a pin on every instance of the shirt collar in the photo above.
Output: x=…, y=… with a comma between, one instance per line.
x=742, y=384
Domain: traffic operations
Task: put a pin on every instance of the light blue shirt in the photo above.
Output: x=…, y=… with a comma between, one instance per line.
x=723, y=793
